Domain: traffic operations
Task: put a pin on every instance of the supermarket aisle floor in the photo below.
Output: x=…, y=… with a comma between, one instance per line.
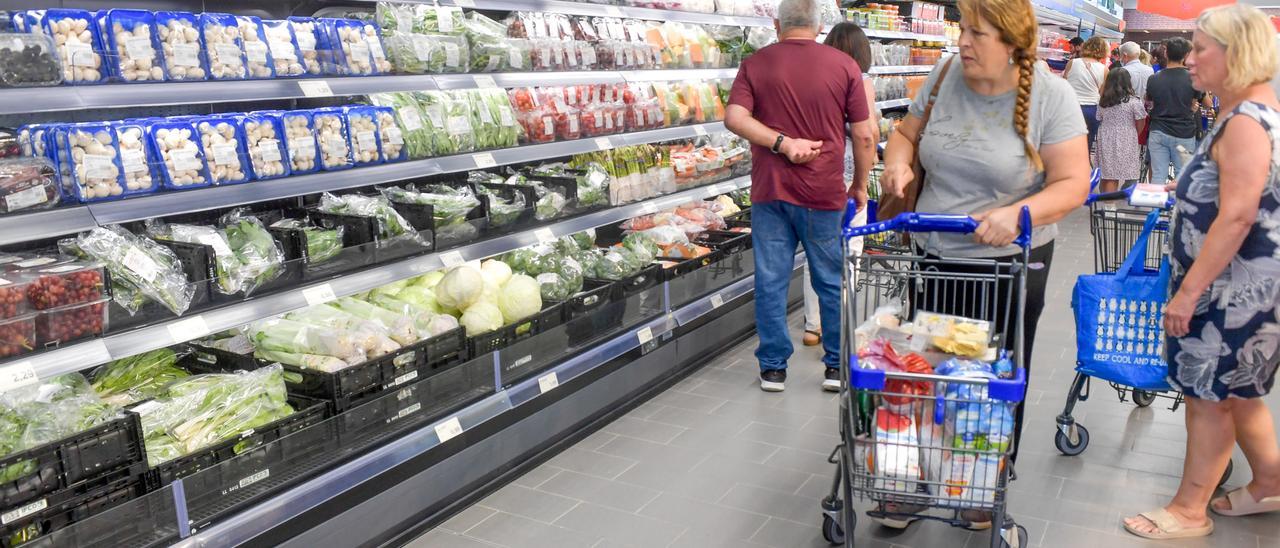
x=715, y=462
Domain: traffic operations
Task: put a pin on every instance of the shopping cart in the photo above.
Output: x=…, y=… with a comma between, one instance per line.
x=880, y=243
x=955, y=470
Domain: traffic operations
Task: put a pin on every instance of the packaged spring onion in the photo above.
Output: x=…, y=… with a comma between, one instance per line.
x=427, y=53
x=371, y=337
x=182, y=46
x=450, y=120
x=322, y=244
x=224, y=46
x=309, y=345
x=132, y=44
x=450, y=204
x=493, y=120
x=79, y=45
x=141, y=264
x=135, y=378
x=410, y=121
x=264, y=134
x=333, y=139
x=223, y=141
x=178, y=147
x=300, y=142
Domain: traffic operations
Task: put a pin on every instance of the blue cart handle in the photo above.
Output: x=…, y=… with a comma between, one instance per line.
x=1095, y=177
x=1126, y=195
x=936, y=222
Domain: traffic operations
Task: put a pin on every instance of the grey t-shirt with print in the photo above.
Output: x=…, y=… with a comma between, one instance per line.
x=974, y=160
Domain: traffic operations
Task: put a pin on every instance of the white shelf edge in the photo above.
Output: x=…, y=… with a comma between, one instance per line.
x=901, y=69
x=83, y=355
x=893, y=103
x=899, y=35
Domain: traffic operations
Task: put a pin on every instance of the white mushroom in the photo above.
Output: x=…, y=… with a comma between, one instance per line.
x=180, y=41
x=334, y=150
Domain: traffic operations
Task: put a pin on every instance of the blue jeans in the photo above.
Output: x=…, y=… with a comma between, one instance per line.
x=777, y=228
x=1090, y=113
x=1164, y=150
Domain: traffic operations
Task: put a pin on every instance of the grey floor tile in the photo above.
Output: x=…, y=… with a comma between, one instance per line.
x=518, y=532
x=656, y=432
x=802, y=460
x=730, y=471
x=630, y=529
x=687, y=483
x=440, y=538
x=540, y=505
x=817, y=443
x=706, y=518
x=535, y=476
x=724, y=443
x=466, y=519
x=778, y=504
x=600, y=491
x=593, y=463
x=695, y=539
x=596, y=439
x=676, y=458
x=691, y=402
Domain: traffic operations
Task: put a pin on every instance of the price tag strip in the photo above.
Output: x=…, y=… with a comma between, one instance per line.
x=18, y=375
x=548, y=382
x=603, y=143
x=188, y=329
x=319, y=294
x=717, y=301
x=544, y=235
x=484, y=81
x=449, y=429
x=452, y=259
x=484, y=160
x=315, y=88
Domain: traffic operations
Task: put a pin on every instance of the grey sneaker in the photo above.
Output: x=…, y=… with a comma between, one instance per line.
x=773, y=380
x=831, y=381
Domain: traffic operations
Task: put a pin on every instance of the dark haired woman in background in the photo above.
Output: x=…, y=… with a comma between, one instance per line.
x=1120, y=116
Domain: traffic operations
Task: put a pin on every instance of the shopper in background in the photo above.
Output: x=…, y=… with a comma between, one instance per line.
x=1001, y=135
x=1120, y=117
x=1175, y=112
x=1223, y=320
x=796, y=101
x=1076, y=42
x=1139, y=70
x=1086, y=75
x=1158, y=59
x=849, y=38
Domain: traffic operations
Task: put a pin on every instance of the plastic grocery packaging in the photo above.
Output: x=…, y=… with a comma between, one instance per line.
x=265, y=138
x=182, y=45
x=410, y=121
x=287, y=59
x=300, y=142
x=257, y=51
x=28, y=60
x=451, y=113
x=223, y=141
x=27, y=184
x=139, y=164
x=362, y=126
x=177, y=145
x=132, y=45
x=390, y=136
x=140, y=264
x=356, y=46
x=224, y=46
x=333, y=139
x=89, y=161
x=313, y=46
x=428, y=53
x=79, y=45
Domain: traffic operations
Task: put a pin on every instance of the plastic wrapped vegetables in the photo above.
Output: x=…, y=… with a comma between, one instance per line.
x=226, y=264
x=391, y=225
x=284, y=335
x=412, y=123
x=450, y=205
x=261, y=259
x=51, y=410
x=492, y=119
x=372, y=337
x=450, y=120
x=401, y=327
x=139, y=264
x=322, y=243
x=136, y=378
x=199, y=411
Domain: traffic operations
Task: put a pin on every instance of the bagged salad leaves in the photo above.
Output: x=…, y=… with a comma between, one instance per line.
x=450, y=204
x=226, y=264
x=135, y=378
x=323, y=244
x=391, y=225
x=55, y=408
x=411, y=120
x=138, y=265
x=261, y=260
x=198, y=411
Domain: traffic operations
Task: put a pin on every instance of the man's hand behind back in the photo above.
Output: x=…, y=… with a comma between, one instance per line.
x=800, y=151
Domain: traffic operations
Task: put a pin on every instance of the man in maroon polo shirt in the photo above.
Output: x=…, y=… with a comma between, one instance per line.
x=796, y=101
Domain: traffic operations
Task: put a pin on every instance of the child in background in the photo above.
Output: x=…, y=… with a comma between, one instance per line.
x=1120, y=115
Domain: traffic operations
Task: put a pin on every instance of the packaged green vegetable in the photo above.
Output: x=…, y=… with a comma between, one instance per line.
x=135, y=261
x=286, y=335
x=450, y=204
x=136, y=378
x=230, y=277
x=260, y=256
x=449, y=116
x=411, y=120
x=391, y=225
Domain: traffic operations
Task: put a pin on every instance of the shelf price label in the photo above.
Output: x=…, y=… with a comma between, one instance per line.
x=644, y=335
x=603, y=143
x=717, y=301
x=449, y=429
x=648, y=207
x=544, y=235
x=452, y=259
x=700, y=131
x=315, y=88
x=484, y=81
x=319, y=294
x=548, y=382
x=484, y=160
x=612, y=11
x=188, y=329
x=464, y=3
x=17, y=376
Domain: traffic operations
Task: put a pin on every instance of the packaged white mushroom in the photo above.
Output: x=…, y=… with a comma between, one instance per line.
x=373, y=36
x=137, y=163
x=351, y=52
x=224, y=46
x=90, y=160
x=79, y=46
x=332, y=137
x=285, y=56
x=257, y=51
x=390, y=136
x=180, y=43
x=362, y=126
x=264, y=139
x=223, y=142
x=313, y=45
x=300, y=142
x=179, y=149
x=131, y=45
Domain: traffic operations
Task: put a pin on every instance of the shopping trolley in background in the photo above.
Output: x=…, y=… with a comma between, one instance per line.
x=922, y=441
x=880, y=243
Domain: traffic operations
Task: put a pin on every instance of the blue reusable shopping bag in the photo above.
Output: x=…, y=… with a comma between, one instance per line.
x=1119, y=320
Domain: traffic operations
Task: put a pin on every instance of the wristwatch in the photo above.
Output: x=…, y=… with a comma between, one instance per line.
x=777, y=143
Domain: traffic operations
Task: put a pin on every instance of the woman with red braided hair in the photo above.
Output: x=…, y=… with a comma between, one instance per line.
x=999, y=133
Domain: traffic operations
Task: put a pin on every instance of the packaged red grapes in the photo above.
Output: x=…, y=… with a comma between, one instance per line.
x=69, y=323
x=13, y=295
x=17, y=335
x=61, y=284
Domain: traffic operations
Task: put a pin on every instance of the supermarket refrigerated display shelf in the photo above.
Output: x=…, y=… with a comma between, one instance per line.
x=248, y=524
x=79, y=356
x=893, y=103
x=46, y=224
x=901, y=69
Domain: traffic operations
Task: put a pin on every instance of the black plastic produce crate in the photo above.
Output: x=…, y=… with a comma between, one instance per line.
x=422, y=217
x=639, y=294
x=73, y=466
x=200, y=275
x=307, y=412
x=739, y=256
x=552, y=315
x=360, y=230
x=350, y=386
x=354, y=256
x=32, y=524
x=688, y=279
x=588, y=314
x=513, y=222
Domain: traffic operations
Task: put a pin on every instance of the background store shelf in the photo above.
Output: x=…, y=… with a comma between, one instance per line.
x=79, y=356
x=39, y=225
x=902, y=69
x=895, y=35
x=893, y=103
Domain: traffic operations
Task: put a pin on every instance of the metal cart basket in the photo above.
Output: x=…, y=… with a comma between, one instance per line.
x=954, y=434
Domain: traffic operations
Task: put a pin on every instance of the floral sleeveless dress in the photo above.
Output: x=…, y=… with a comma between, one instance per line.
x=1233, y=347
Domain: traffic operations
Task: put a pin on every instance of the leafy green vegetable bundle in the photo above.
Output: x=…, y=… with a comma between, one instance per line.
x=136, y=378
x=46, y=412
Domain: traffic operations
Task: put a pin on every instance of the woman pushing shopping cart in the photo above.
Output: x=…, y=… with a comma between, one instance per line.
x=933, y=378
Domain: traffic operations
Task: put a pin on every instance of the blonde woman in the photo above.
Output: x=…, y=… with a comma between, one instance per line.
x=1222, y=321
x=1086, y=75
x=1002, y=134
